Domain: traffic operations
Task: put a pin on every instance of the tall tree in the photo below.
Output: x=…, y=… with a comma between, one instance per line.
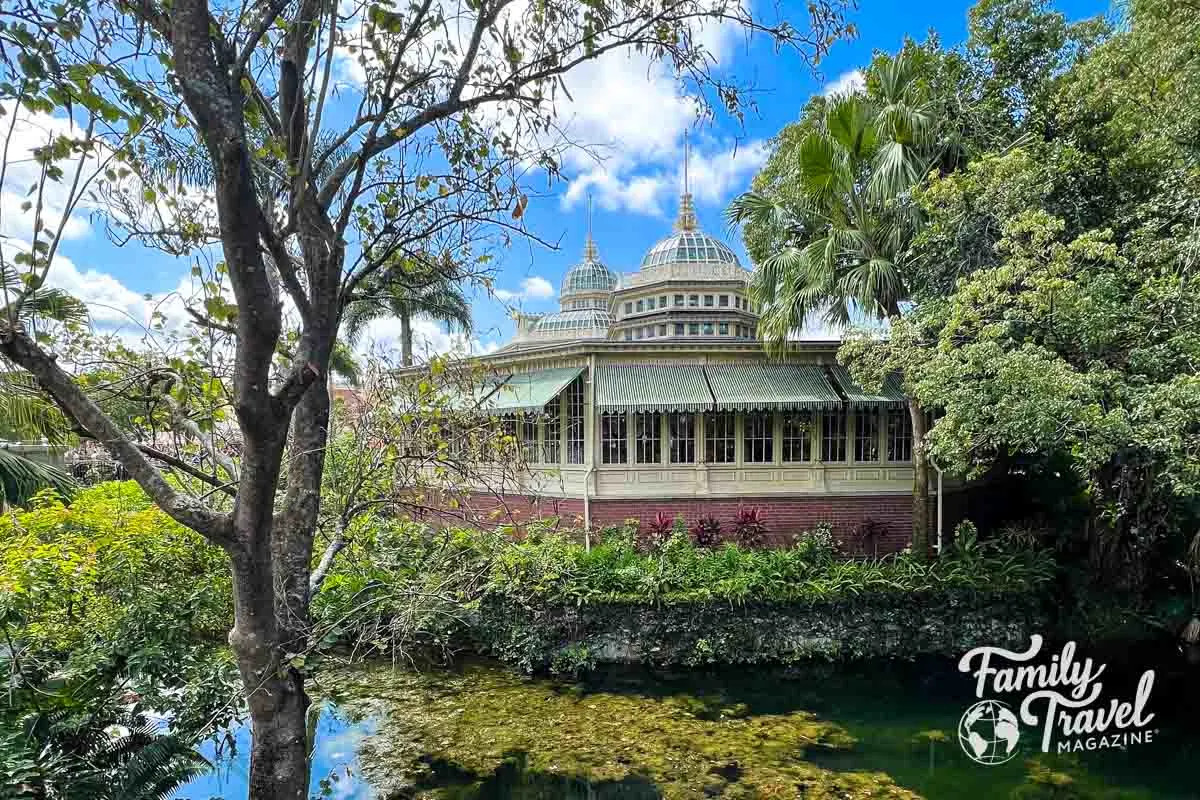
x=399, y=293
x=451, y=105
x=829, y=220
x=1065, y=343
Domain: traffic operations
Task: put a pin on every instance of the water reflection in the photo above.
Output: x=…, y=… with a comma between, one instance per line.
x=884, y=731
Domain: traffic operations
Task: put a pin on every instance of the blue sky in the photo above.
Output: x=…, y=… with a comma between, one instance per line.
x=636, y=117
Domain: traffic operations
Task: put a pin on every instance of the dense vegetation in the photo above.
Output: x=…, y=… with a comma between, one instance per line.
x=1022, y=211
x=108, y=610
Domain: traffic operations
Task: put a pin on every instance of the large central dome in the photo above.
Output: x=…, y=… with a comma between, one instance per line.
x=692, y=247
x=688, y=244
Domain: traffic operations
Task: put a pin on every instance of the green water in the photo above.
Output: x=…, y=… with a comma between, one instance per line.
x=482, y=732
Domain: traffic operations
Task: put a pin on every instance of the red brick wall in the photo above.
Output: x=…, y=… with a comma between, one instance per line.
x=785, y=516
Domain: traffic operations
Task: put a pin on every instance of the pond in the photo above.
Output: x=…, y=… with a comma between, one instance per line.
x=871, y=731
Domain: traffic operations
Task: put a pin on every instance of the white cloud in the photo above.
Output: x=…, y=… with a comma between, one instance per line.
x=619, y=120
x=22, y=136
x=852, y=82
x=123, y=199
x=534, y=287
x=713, y=175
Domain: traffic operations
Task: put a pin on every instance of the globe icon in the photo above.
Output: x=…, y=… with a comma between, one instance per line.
x=988, y=732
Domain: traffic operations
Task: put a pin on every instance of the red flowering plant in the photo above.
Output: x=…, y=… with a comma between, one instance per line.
x=750, y=526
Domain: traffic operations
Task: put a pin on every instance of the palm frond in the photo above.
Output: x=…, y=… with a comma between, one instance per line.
x=21, y=478
x=25, y=413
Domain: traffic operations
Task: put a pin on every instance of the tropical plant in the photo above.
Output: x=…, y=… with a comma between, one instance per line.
x=659, y=530
x=405, y=289
x=25, y=413
x=706, y=531
x=109, y=754
x=750, y=526
x=839, y=221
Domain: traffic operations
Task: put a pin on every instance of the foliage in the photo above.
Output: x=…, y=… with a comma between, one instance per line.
x=1057, y=336
x=827, y=221
x=104, y=751
x=706, y=531
x=750, y=526
x=552, y=566
x=22, y=477
x=659, y=530
x=111, y=586
x=411, y=592
x=403, y=290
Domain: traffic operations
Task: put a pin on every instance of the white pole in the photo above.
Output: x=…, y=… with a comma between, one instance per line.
x=939, y=506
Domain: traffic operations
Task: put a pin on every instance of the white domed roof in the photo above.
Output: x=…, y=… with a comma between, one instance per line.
x=693, y=247
x=590, y=275
x=573, y=323
x=688, y=244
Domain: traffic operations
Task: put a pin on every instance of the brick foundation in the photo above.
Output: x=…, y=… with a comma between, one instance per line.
x=785, y=516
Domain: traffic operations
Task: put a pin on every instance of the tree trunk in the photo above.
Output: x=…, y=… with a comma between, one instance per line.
x=274, y=688
x=279, y=768
x=406, y=342
x=920, y=497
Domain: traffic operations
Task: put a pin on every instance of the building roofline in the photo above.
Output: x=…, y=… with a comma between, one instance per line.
x=703, y=345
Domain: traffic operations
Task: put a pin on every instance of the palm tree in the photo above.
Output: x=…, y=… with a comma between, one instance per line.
x=841, y=220
x=404, y=292
x=25, y=412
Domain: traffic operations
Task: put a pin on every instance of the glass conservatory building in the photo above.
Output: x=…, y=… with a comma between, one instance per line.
x=650, y=392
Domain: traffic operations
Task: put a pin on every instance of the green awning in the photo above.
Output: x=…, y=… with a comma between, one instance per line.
x=652, y=388
x=763, y=387
x=529, y=392
x=891, y=393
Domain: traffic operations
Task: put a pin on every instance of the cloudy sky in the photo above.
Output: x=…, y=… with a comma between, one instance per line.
x=636, y=116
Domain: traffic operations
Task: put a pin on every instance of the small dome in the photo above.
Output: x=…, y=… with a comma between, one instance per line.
x=589, y=275
x=690, y=247
x=589, y=319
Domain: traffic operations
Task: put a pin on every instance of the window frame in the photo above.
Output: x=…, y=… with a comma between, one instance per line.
x=866, y=435
x=899, y=436
x=720, y=437
x=576, y=427
x=552, y=432
x=681, y=437
x=614, y=439
x=647, y=437
x=833, y=442
x=797, y=428
x=758, y=437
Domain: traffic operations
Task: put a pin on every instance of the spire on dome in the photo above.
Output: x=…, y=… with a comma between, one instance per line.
x=590, y=253
x=687, y=210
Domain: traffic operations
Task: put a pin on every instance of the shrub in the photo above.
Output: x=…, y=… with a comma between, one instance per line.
x=658, y=531
x=706, y=532
x=819, y=545
x=867, y=534
x=750, y=526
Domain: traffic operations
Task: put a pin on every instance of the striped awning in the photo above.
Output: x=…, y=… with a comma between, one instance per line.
x=654, y=387
x=763, y=387
x=529, y=392
x=890, y=394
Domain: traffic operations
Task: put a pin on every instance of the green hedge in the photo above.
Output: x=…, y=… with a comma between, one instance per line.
x=547, y=602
